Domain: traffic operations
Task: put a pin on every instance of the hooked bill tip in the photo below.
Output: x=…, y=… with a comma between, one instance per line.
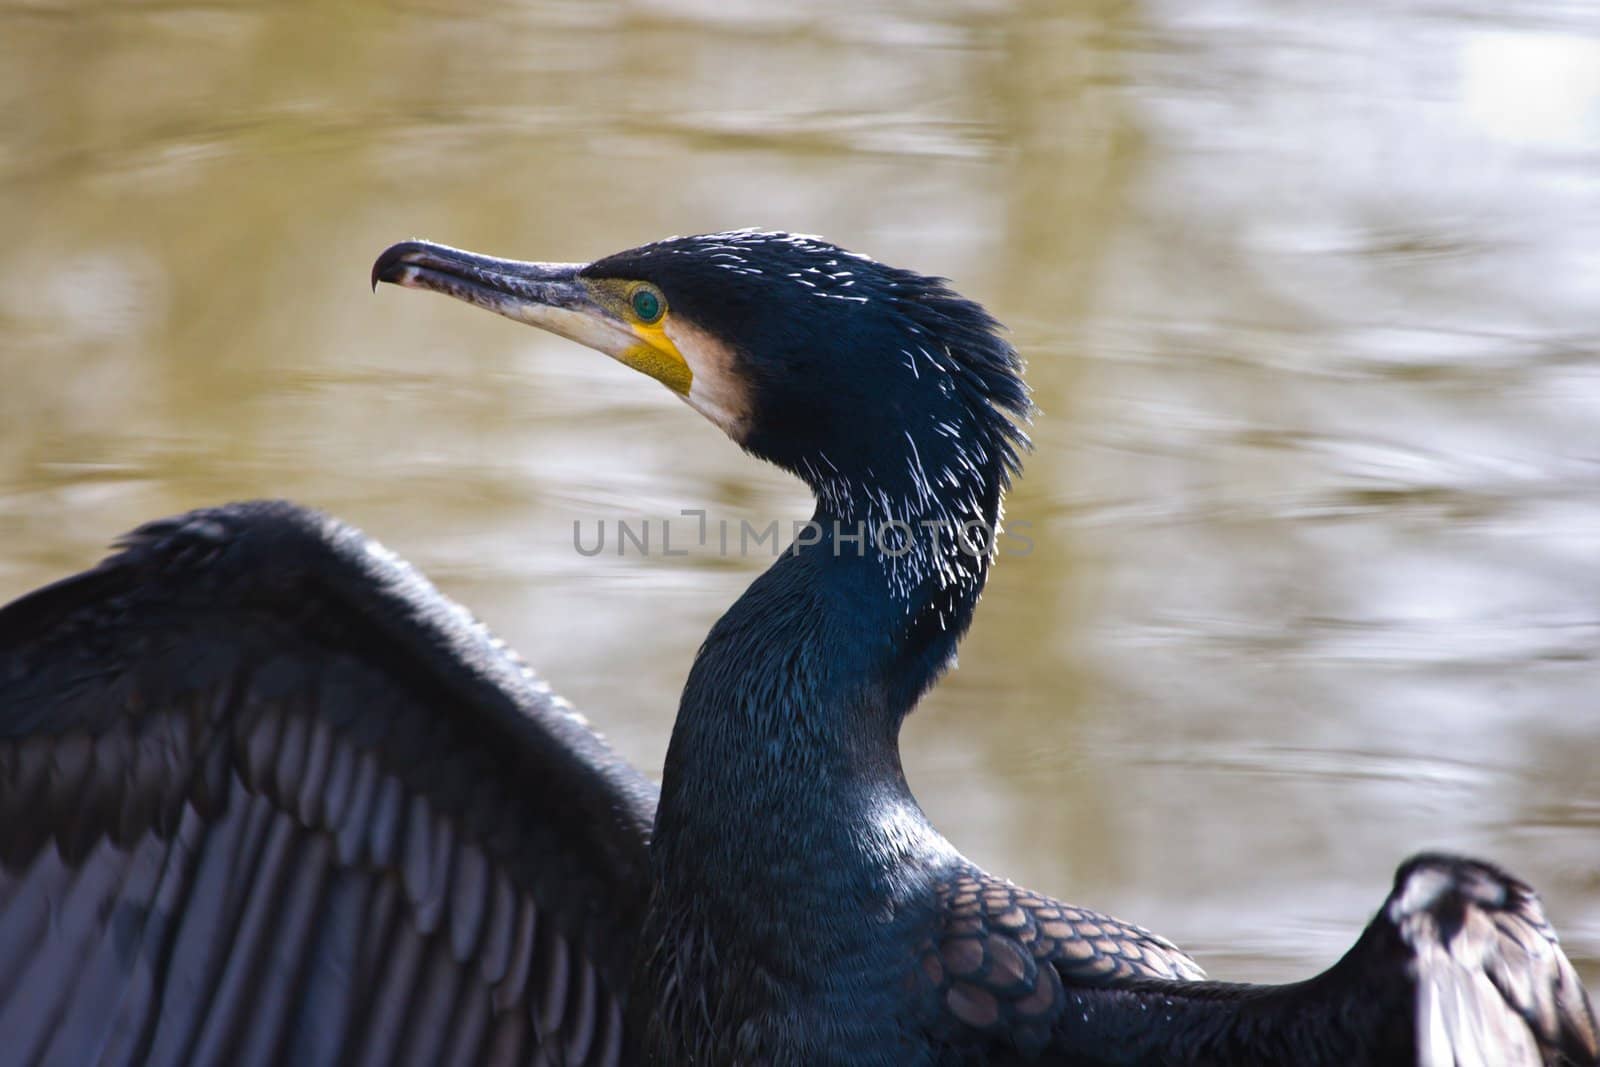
x=392, y=262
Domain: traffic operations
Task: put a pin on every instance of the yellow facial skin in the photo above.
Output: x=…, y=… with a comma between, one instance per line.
x=658, y=357
x=655, y=353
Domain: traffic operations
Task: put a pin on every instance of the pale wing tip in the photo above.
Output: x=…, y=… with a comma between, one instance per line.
x=1494, y=987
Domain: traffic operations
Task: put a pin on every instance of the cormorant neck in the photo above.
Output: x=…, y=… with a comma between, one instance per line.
x=918, y=540
x=787, y=737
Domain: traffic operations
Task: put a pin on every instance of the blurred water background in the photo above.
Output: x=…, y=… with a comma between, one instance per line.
x=1310, y=296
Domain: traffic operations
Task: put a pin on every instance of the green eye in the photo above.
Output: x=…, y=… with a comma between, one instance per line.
x=647, y=304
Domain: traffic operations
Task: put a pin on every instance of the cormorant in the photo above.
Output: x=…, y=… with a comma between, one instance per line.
x=267, y=797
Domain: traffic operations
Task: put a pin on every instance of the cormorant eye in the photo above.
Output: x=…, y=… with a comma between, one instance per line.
x=647, y=304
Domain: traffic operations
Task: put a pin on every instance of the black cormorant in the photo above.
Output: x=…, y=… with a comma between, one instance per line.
x=267, y=797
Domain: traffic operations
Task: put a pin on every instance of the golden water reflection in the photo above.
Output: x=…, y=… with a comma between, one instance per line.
x=1310, y=305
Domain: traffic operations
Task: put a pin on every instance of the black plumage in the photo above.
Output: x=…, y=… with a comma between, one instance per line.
x=289, y=804
x=265, y=796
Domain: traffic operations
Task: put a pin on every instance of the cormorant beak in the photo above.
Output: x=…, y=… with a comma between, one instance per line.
x=552, y=296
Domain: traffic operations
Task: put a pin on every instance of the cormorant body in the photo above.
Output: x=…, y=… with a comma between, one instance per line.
x=266, y=796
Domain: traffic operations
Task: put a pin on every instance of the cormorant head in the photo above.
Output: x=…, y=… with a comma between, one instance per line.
x=870, y=382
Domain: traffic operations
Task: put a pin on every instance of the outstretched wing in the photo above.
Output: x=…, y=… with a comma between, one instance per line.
x=1458, y=969
x=266, y=796
x=1493, y=986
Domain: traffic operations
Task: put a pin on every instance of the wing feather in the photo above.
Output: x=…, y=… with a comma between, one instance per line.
x=999, y=959
x=266, y=796
x=1493, y=986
